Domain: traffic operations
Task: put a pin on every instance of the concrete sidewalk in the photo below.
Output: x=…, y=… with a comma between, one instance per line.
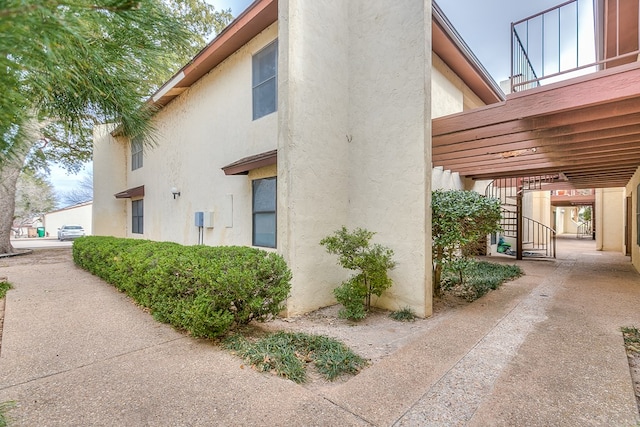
x=543, y=350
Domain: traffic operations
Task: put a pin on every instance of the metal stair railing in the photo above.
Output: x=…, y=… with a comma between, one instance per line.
x=536, y=237
x=584, y=230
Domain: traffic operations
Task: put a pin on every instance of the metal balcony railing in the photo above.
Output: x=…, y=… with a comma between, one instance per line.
x=566, y=41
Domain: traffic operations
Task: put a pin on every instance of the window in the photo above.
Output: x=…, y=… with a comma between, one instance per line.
x=136, y=153
x=265, y=81
x=264, y=212
x=137, y=216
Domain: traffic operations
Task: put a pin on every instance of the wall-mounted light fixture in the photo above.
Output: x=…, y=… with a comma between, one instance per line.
x=175, y=192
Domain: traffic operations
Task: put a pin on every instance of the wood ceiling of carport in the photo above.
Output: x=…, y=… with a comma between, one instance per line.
x=586, y=129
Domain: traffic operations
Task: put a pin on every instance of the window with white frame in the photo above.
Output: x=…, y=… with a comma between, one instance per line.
x=264, y=212
x=265, y=81
x=137, y=216
x=136, y=153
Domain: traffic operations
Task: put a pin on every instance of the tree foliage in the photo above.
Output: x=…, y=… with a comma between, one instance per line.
x=371, y=262
x=34, y=196
x=459, y=219
x=66, y=65
x=82, y=192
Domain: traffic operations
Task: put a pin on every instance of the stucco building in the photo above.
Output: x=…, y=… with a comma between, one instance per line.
x=299, y=118
x=302, y=117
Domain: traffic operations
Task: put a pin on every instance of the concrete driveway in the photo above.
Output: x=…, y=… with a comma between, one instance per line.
x=39, y=243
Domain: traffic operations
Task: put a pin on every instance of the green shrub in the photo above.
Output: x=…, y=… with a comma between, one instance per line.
x=287, y=354
x=403, y=315
x=4, y=287
x=372, y=263
x=204, y=290
x=460, y=219
x=476, y=278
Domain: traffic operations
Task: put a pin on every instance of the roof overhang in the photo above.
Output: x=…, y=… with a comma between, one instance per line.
x=256, y=18
x=451, y=48
x=246, y=164
x=130, y=193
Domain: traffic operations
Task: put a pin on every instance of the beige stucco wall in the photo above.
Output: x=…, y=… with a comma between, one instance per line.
x=207, y=127
x=564, y=222
x=313, y=144
x=109, y=177
x=450, y=94
x=354, y=141
x=77, y=215
x=631, y=190
x=609, y=219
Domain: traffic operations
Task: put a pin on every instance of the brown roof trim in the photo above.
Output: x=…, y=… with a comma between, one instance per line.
x=131, y=192
x=256, y=18
x=243, y=166
x=452, y=49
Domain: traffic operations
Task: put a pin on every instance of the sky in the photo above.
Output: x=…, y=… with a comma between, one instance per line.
x=484, y=25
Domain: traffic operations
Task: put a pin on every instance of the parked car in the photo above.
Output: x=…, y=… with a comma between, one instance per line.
x=67, y=232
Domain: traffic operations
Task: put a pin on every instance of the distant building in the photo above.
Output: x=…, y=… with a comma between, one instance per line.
x=79, y=214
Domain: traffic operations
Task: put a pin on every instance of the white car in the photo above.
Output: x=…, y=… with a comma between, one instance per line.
x=67, y=232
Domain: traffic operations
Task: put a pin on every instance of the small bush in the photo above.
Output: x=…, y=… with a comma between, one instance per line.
x=403, y=315
x=371, y=262
x=287, y=354
x=475, y=279
x=4, y=287
x=204, y=290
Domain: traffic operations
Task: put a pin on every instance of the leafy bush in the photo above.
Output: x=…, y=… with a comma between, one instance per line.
x=287, y=354
x=371, y=261
x=459, y=220
x=204, y=290
x=477, y=278
x=4, y=287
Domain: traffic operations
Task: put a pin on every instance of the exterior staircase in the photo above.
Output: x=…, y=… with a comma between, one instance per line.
x=537, y=240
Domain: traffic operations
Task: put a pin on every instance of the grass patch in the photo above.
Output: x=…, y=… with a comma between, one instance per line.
x=4, y=407
x=287, y=355
x=631, y=339
x=4, y=287
x=403, y=315
x=477, y=278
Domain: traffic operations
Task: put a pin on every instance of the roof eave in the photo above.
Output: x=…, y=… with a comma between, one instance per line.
x=453, y=50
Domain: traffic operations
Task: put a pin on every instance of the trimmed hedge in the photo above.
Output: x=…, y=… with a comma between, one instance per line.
x=202, y=289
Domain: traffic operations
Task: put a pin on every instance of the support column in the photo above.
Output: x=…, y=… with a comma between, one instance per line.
x=519, y=228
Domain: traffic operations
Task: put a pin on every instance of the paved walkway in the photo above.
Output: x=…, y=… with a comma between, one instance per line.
x=545, y=350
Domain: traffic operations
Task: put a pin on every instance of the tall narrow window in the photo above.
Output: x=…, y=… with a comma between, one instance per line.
x=265, y=81
x=137, y=216
x=136, y=153
x=264, y=212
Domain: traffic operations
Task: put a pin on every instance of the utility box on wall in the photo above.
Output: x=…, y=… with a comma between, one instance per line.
x=208, y=219
x=199, y=219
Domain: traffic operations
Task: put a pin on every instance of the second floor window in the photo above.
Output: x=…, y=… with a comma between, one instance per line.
x=265, y=81
x=136, y=153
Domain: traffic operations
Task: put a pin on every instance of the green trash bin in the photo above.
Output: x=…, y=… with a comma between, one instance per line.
x=40, y=231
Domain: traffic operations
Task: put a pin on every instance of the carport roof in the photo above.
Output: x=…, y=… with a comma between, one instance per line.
x=586, y=131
